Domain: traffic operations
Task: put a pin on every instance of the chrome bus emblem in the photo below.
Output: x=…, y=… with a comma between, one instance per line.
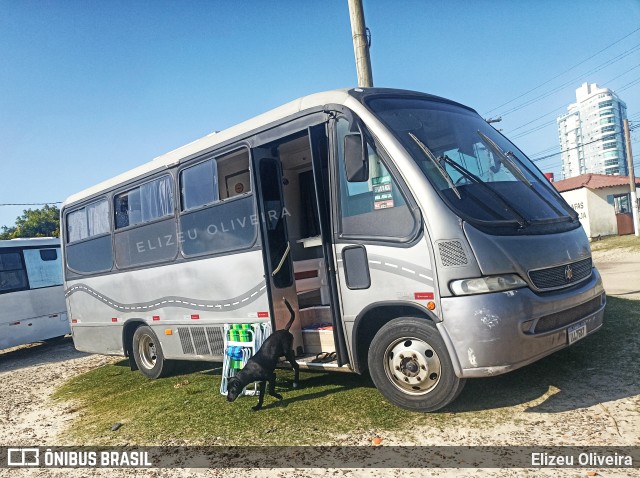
x=568, y=273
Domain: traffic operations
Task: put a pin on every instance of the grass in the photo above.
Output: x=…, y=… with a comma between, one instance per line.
x=188, y=408
x=629, y=242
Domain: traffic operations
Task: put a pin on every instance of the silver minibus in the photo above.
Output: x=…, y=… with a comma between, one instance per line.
x=413, y=240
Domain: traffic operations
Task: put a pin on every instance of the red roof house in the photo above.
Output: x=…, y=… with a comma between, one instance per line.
x=592, y=181
x=603, y=202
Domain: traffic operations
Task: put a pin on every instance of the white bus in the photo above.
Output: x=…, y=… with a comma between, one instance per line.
x=412, y=239
x=32, y=304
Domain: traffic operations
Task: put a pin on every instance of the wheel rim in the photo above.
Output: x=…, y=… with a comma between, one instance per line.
x=412, y=365
x=147, y=352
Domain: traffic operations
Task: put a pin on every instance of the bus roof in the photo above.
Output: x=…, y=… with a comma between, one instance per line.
x=30, y=242
x=345, y=96
x=174, y=157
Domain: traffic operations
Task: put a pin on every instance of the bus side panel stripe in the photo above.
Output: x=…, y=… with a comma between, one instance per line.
x=233, y=303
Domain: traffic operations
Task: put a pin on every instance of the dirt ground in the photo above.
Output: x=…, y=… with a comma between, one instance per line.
x=620, y=272
x=593, y=416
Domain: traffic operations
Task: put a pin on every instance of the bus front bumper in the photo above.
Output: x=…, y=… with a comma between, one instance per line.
x=491, y=334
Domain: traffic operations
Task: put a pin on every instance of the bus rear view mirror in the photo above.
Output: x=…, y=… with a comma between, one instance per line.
x=356, y=158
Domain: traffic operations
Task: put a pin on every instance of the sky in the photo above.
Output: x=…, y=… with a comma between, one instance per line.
x=91, y=89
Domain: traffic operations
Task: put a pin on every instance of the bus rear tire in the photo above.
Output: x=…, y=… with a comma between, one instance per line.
x=410, y=365
x=147, y=352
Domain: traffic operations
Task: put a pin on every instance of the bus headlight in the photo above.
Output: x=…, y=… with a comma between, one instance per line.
x=484, y=285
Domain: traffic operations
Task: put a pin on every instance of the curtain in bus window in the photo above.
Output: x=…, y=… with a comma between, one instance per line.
x=77, y=225
x=98, y=218
x=156, y=198
x=12, y=275
x=42, y=273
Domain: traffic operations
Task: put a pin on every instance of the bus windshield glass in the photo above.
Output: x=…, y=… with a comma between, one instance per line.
x=480, y=173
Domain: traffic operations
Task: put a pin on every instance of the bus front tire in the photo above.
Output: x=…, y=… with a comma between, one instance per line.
x=410, y=365
x=147, y=352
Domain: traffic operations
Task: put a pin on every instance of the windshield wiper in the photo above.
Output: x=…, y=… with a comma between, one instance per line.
x=519, y=218
x=506, y=158
x=437, y=164
x=509, y=160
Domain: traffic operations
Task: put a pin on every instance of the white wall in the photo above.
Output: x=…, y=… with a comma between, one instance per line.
x=602, y=215
x=597, y=216
x=578, y=200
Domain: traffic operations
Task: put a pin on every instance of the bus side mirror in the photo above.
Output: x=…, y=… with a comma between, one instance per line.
x=356, y=158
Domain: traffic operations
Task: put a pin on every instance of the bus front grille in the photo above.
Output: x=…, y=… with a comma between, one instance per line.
x=566, y=317
x=561, y=276
x=201, y=340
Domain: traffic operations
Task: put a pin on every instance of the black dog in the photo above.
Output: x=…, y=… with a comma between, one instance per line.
x=261, y=367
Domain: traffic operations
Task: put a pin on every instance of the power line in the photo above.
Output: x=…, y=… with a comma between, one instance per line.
x=536, y=119
x=564, y=72
x=546, y=150
x=562, y=107
x=555, y=90
x=547, y=123
x=571, y=149
x=31, y=203
x=557, y=164
x=536, y=128
x=623, y=73
x=629, y=85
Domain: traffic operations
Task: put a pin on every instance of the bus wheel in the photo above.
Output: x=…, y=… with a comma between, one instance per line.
x=410, y=365
x=148, y=355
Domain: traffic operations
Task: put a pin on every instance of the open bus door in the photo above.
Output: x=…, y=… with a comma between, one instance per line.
x=276, y=245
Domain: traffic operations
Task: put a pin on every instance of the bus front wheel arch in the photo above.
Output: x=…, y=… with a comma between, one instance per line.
x=148, y=355
x=410, y=365
x=372, y=319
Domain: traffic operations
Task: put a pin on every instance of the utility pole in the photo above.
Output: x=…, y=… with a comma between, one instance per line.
x=360, y=43
x=632, y=178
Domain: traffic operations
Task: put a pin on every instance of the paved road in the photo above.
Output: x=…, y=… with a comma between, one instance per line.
x=620, y=275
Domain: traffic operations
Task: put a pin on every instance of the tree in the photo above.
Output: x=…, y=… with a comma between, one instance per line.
x=43, y=222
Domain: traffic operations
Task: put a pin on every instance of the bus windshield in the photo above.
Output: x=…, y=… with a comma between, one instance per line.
x=480, y=173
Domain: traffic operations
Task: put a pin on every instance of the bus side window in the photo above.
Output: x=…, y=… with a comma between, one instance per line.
x=149, y=201
x=373, y=208
x=199, y=185
x=91, y=220
x=233, y=174
x=215, y=180
x=13, y=277
x=88, y=238
x=43, y=267
x=217, y=210
x=145, y=224
x=122, y=212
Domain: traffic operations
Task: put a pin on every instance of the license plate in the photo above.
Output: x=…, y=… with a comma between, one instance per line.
x=577, y=332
